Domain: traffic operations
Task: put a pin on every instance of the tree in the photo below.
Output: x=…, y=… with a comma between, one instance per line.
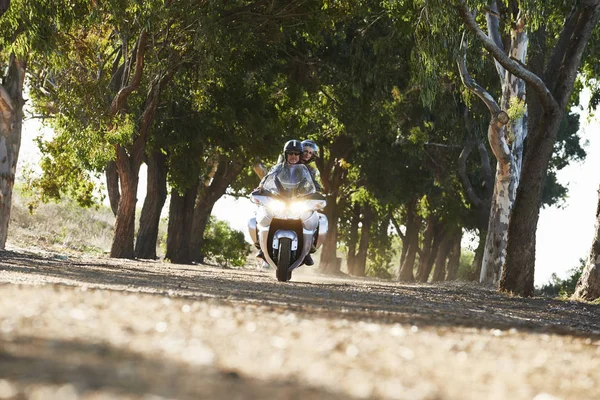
x=506, y=139
x=104, y=88
x=588, y=285
x=28, y=31
x=550, y=78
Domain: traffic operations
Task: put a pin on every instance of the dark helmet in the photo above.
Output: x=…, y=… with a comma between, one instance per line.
x=294, y=146
x=312, y=146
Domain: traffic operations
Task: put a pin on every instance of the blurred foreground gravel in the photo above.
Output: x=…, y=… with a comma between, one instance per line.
x=97, y=328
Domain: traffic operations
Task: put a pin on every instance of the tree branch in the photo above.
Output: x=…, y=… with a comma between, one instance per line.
x=462, y=173
x=446, y=146
x=121, y=97
x=493, y=25
x=473, y=86
x=588, y=17
x=536, y=83
x=485, y=166
x=397, y=227
x=559, y=50
x=499, y=119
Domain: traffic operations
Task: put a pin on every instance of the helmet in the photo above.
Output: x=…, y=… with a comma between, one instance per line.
x=294, y=146
x=313, y=146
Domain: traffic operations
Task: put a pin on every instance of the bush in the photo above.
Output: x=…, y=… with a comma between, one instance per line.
x=224, y=245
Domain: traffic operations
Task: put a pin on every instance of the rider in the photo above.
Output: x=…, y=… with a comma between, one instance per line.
x=310, y=152
x=292, y=150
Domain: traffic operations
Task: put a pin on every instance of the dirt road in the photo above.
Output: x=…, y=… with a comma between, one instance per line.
x=84, y=328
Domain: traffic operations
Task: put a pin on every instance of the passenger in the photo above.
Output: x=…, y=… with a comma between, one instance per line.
x=310, y=152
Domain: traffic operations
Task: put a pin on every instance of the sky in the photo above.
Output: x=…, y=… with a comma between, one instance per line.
x=564, y=235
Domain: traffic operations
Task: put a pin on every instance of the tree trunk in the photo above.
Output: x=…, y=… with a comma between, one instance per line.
x=333, y=174
x=128, y=166
x=129, y=160
x=497, y=231
x=478, y=259
x=112, y=186
x=553, y=91
x=226, y=171
x=454, y=257
x=156, y=194
x=439, y=273
x=11, y=122
x=588, y=286
x=181, y=213
x=426, y=247
x=433, y=235
x=353, y=239
x=411, y=242
x=328, y=261
x=520, y=262
x=507, y=146
x=365, y=235
x=122, y=246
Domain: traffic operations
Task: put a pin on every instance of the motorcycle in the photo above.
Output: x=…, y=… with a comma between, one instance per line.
x=287, y=225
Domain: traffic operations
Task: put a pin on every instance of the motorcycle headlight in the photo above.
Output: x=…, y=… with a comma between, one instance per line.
x=299, y=207
x=276, y=205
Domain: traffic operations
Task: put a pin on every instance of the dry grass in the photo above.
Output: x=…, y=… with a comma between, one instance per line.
x=62, y=227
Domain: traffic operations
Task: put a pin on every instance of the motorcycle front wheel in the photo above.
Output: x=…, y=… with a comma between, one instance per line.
x=284, y=259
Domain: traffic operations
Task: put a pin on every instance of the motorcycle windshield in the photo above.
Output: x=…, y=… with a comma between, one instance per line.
x=290, y=180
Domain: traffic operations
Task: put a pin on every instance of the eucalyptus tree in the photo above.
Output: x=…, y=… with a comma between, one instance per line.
x=105, y=84
x=29, y=30
x=506, y=134
x=548, y=94
x=550, y=76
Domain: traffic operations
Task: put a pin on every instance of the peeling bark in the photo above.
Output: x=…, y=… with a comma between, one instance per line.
x=506, y=143
x=11, y=120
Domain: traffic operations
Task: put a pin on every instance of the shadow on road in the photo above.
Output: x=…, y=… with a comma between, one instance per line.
x=443, y=304
x=55, y=369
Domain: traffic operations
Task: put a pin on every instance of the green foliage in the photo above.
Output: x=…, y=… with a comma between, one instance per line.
x=380, y=263
x=465, y=266
x=62, y=178
x=517, y=109
x=224, y=245
x=562, y=288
